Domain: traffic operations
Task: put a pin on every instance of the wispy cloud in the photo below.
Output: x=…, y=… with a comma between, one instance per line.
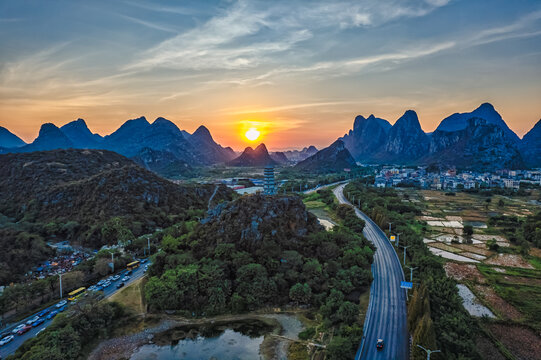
x=150, y=25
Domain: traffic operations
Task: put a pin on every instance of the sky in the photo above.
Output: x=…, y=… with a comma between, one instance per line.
x=298, y=71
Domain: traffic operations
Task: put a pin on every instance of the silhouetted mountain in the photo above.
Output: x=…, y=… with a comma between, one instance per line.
x=80, y=136
x=531, y=146
x=485, y=111
x=9, y=140
x=300, y=155
x=50, y=138
x=209, y=149
x=279, y=157
x=331, y=159
x=406, y=141
x=481, y=145
x=253, y=157
x=366, y=137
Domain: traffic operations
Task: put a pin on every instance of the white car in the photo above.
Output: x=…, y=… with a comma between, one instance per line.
x=5, y=340
x=33, y=320
x=14, y=331
x=116, y=277
x=61, y=303
x=125, y=278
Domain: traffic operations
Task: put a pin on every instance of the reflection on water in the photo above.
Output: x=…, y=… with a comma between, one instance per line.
x=229, y=345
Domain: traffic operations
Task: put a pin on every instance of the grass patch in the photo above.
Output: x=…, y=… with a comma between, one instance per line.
x=131, y=296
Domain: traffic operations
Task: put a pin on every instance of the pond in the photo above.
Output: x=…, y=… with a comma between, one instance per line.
x=238, y=340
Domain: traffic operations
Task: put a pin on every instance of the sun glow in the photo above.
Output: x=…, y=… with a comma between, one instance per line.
x=252, y=134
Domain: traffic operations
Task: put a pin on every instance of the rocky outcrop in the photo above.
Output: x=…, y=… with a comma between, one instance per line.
x=367, y=137
x=81, y=137
x=9, y=140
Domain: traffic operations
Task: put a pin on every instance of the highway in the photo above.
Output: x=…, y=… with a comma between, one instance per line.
x=386, y=315
x=18, y=340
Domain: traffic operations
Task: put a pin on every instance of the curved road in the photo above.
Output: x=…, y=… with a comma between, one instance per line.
x=386, y=315
x=10, y=347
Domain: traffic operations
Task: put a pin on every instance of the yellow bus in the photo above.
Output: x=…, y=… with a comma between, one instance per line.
x=76, y=293
x=134, y=265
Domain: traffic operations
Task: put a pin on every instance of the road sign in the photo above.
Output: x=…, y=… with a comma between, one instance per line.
x=406, y=285
x=393, y=238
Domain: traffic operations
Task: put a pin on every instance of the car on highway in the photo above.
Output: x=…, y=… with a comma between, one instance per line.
x=119, y=285
x=52, y=314
x=34, y=319
x=24, y=330
x=125, y=278
x=61, y=309
x=106, y=284
x=5, y=340
x=43, y=312
x=380, y=344
x=38, y=322
x=116, y=277
x=19, y=327
x=61, y=303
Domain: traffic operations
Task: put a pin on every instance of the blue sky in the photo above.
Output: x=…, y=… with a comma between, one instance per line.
x=299, y=71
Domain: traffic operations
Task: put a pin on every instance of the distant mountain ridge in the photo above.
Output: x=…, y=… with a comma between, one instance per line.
x=159, y=146
x=486, y=141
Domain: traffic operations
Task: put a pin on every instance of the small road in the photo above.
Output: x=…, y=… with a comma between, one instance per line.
x=386, y=316
x=309, y=191
x=212, y=196
x=12, y=346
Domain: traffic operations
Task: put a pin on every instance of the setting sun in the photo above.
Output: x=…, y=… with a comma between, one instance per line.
x=252, y=134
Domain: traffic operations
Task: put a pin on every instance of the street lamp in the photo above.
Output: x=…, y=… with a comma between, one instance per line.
x=405, y=247
x=411, y=272
x=428, y=352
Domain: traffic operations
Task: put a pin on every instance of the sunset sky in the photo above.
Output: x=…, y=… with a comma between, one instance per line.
x=297, y=71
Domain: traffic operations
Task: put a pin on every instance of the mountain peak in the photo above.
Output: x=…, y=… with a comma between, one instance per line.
x=261, y=148
x=9, y=140
x=47, y=128
x=202, y=132
x=254, y=157
x=409, y=120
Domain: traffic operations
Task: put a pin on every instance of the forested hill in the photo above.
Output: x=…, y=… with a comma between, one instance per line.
x=259, y=251
x=93, y=196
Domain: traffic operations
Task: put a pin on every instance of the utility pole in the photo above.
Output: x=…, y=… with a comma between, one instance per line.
x=411, y=272
x=405, y=247
x=390, y=228
x=60, y=276
x=148, y=239
x=397, y=239
x=428, y=352
x=113, y=261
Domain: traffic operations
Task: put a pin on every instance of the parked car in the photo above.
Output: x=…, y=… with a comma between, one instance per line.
x=119, y=285
x=5, y=340
x=31, y=321
x=61, y=303
x=38, y=322
x=24, y=330
x=14, y=331
x=52, y=314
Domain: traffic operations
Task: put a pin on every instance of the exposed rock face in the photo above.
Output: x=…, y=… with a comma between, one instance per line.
x=531, y=146
x=367, y=137
x=9, y=140
x=406, y=141
x=248, y=220
x=481, y=145
x=331, y=159
x=456, y=138
x=253, y=157
x=80, y=136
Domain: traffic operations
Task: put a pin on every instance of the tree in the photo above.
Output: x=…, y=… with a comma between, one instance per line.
x=102, y=266
x=468, y=230
x=300, y=293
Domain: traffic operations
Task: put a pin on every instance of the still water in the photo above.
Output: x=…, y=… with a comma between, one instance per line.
x=229, y=345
